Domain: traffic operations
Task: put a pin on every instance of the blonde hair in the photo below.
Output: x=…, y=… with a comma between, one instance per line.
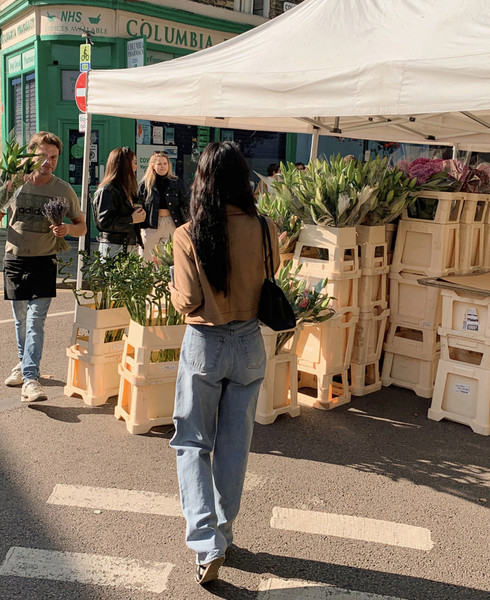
x=150, y=175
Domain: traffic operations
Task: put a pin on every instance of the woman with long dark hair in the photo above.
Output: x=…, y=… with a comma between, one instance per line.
x=116, y=215
x=219, y=273
x=163, y=198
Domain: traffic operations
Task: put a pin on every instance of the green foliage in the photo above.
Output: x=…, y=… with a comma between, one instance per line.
x=395, y=192
x=309, y=304
x=288, y=224
x=131, y=281
x=340, y=193
x=16, y=164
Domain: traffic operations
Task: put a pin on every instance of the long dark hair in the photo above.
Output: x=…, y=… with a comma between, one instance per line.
x=222, y=177
x=119, y=168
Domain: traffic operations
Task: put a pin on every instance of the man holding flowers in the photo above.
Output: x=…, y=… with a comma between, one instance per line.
x=30, y=265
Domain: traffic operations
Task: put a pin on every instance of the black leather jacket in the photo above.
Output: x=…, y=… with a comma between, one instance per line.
x=113, y=216
x=176, y=202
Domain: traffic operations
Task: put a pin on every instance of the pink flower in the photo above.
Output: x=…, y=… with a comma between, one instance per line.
x=304, y=302
x=424, y=168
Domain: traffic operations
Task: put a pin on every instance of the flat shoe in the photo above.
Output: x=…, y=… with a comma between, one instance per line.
x=209, y=571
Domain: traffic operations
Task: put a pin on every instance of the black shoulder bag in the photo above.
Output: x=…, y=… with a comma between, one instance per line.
x=274, y=309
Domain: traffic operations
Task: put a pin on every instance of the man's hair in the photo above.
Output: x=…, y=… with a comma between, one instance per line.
x=44, y=137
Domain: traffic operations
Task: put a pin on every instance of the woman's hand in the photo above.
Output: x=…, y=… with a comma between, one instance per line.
x=139, y=215
x=171, y=287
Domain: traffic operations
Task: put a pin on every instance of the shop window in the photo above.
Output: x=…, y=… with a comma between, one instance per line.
x=23, y=111
x=30, y=107
x=253, y=7
x=17, y=109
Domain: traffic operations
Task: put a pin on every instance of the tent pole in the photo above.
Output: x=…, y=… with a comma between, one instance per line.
x=314, y=143
x=455, y=151
x=84, y=199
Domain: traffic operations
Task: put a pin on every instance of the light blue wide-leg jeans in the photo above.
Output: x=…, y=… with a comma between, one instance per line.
x=220, y=372
x=30, y=316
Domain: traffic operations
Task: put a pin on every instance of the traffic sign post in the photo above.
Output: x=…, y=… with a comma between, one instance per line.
x=81, y=92
x=85, y=55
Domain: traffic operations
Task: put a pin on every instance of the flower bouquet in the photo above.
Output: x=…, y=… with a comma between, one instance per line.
x=435, y=174
x=55, y=211
x=15, y=166
x=395, y=193
x=310, y=305
x=332, y=193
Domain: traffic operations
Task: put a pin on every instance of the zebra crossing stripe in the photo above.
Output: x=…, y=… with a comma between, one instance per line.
x=355, y=528
x=291, y=589
x=113, y=499
x=87, y=568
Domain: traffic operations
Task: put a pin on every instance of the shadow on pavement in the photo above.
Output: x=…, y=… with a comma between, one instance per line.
x=388, y=433
x=340, y=576
x=71, y=414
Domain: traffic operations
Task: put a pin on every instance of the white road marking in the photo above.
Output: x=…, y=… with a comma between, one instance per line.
x=253, y=480
x=113, y=499
x=59, y=314
x=361, y=413
x=355, y=528
x=87, y=568
x=291, y=589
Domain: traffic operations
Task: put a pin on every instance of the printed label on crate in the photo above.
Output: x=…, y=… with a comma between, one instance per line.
x=170, y=367
x=427, y=324
x=461, y=388
x=470, y=322
x=118, y=346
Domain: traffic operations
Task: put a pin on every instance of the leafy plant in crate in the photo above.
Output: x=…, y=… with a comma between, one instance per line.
x=331, y=193
x=395, y=192
x=309, y=304
x=102, y=275
x=142, y=287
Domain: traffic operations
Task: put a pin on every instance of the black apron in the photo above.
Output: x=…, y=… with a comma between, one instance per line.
x=28, y=277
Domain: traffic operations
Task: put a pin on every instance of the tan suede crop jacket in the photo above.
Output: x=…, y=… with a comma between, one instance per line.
x=198, y=299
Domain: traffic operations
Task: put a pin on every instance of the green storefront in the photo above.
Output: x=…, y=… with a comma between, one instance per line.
x=40, y=57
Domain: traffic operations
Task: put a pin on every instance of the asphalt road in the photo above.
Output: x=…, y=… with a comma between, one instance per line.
x=377, y=458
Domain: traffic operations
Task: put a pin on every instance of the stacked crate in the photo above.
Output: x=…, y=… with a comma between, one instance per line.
x=462, y=386
x=472, y=233
x=427, y=245
x=374, y=311
x=93, y=361
x=324, y=350
x=278, y=393
x=147, y=389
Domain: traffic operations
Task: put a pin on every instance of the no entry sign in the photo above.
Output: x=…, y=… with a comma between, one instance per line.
x=81, y=92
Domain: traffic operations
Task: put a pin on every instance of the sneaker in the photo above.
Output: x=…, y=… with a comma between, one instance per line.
x=15, y=378
x=32, y=390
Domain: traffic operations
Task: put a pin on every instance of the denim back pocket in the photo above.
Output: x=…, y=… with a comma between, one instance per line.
x=253, y=349
x=204, y=350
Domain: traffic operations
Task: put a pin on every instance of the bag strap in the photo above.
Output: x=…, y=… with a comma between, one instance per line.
x=266, y=240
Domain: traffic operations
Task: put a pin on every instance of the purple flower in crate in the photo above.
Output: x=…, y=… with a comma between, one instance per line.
x=404, y=165
x=424, y=168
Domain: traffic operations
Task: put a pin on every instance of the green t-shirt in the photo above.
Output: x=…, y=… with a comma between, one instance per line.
x=28, y=233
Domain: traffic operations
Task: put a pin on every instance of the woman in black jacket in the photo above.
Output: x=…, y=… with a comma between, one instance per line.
x=115, y=215
x=163, y=197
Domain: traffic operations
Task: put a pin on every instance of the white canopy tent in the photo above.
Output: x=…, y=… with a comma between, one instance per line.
x=407, y=70
x=415, y=71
